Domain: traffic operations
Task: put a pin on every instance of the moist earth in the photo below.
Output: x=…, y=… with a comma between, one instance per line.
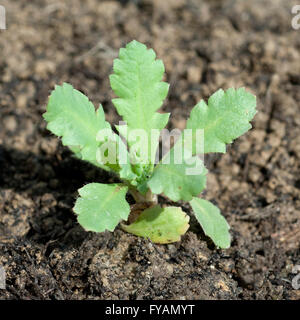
x=205, y=45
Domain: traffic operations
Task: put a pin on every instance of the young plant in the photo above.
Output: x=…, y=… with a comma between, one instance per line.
x=137, y=81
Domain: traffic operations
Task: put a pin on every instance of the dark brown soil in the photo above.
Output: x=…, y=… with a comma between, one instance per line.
x=205, y=45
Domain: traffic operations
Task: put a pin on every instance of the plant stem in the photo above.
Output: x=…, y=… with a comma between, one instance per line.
x=148, y=197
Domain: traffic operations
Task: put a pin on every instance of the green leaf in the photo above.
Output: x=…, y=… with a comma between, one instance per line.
x=101, y=206
x=72, y=116
x=176, y=181
x=226, y=117
x=137, y=82
x=160, y=225
x=212, y=222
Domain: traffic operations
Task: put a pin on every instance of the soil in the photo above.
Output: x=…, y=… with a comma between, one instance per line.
x=205, y=45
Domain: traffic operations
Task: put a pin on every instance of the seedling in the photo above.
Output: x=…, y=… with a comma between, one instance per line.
x=137, y=81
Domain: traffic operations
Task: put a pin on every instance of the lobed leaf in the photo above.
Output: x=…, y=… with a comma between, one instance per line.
x=137, y=82
x=72, y=116
x=174, y=180
x=101, y=207
x=212, y=222
x=225, y=118
x=160, y=225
